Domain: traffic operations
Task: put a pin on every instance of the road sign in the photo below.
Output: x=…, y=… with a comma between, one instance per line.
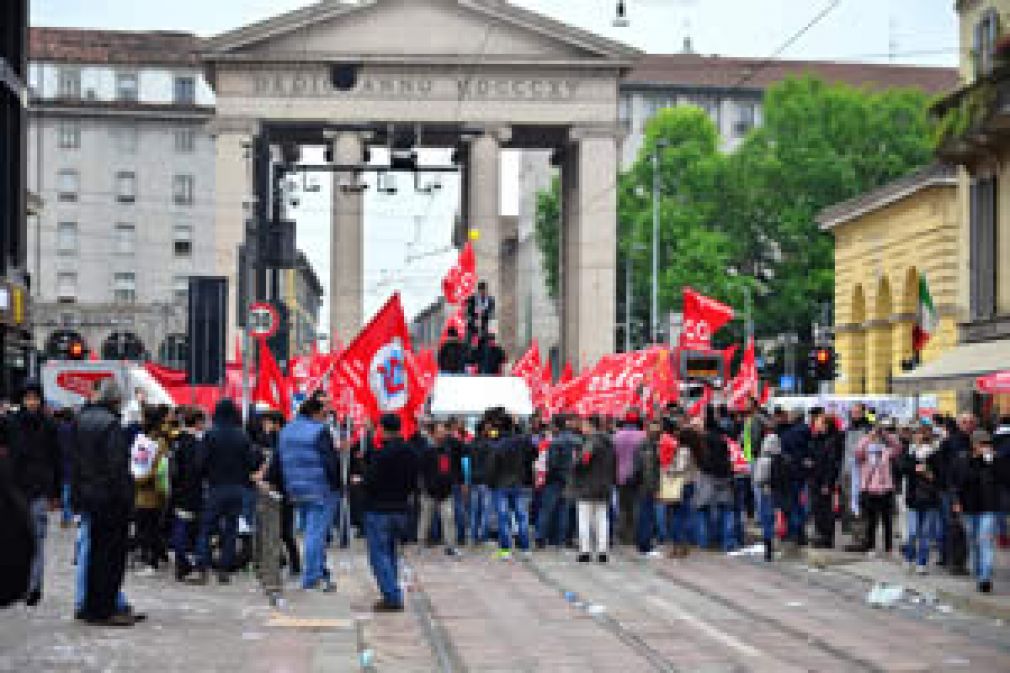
x=264, y=320
x=787, y=383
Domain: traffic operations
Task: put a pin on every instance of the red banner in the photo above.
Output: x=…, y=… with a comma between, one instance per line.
x=994, y=384
x=745, y=385
x=271, y=386
x=528, y=367
x=703, y=317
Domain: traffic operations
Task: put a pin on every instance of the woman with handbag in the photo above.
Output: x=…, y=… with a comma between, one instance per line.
x=677, y=487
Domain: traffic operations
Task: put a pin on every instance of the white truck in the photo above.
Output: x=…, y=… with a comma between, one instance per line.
x=69, y=383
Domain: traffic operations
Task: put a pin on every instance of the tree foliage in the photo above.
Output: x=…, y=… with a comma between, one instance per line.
x=745, y=219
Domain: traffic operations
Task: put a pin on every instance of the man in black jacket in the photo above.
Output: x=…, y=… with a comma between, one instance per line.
x=17, y=539
x=453, y=354
x=826, y=450
x=440, y=472
x=552, y=522
x=228, y=461
x=979, y=477
x=187, y=488
x=38, y=468
x=390, y=481
x=102, y=491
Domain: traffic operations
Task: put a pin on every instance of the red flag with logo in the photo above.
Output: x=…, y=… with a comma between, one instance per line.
x=703, y=317
x=461, y=280
x=698, y=408
x=271, y=385
x=375, y=367
x=745, y=384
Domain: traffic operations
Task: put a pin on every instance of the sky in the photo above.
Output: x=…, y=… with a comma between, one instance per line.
x=407, y=236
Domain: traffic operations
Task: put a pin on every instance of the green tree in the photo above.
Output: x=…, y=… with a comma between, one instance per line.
x=746, y=219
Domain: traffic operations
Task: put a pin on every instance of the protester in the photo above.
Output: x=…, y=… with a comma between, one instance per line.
x=37, y=465
x=628, y=442
x=148, y=459
x=187, y=489
x=979, y=478
x=683, y=469
x=439, y=473
x=955, y=449
x=228, y=461
x=390, y=480
x=594, y=468
x=480, y=310
x=311, y=471
x=17, y=538
x=875, y=455
x=452, y=355
x=479, y=460
x=490, y=356
x=771, y=480
x=713, y=489
x=921, y=467
x=796, y=451
x=103, y=492
x=510, y=475
x=647, y=477
x=271, y=425
x=827, y=447
x=552, y=522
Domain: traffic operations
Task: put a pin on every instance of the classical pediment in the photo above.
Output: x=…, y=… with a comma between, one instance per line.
x=491, y=31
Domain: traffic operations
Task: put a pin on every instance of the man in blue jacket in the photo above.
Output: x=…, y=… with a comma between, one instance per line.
x=311, y=469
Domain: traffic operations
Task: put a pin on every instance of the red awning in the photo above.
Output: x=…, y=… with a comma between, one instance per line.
x=995, y=383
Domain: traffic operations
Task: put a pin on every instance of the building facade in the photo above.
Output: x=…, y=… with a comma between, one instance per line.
x=885, y=241
x=973, y=122
x=121, y=154
x=302, y=294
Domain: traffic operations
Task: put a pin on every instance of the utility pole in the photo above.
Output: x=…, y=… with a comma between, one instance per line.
x=655, y=241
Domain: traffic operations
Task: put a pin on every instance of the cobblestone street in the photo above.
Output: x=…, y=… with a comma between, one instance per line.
x=545, y=613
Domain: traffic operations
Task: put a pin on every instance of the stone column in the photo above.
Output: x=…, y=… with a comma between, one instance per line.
x=879, y=340
x=347, y=242
x=589, y=242
x=233, y=186
x=484, y=206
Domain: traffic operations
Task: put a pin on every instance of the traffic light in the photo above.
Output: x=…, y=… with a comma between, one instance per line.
x=822, y=364
x=76, y=350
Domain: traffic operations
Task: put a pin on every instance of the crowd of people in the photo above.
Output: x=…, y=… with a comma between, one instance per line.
x=153, y=485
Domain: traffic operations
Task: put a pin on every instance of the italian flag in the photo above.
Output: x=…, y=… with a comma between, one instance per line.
x=927, y=322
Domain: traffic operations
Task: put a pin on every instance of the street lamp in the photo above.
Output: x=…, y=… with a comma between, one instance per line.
x=660, y=145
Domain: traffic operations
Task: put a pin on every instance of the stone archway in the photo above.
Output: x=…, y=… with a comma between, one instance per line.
x=477, y=75
x=879, y=340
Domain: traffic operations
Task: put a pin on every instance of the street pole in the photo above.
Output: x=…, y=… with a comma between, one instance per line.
x=749, y=311
x=627, y=303
x=655, y=244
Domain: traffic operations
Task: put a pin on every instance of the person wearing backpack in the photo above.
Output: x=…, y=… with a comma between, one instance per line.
x=148, y=457
x=771, y=481
x=552, y=522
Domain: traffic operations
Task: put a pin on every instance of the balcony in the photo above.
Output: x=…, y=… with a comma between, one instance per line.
x=973, y=123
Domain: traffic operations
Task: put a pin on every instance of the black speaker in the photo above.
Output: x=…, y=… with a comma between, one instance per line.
x=207, y=330
x=344, y=76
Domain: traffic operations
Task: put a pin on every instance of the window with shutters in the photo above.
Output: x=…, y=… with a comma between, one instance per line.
x=126, y=187
x=185, y=140
x=69, y=83
x=182, y=241
x=185, y=90
x=984, y=38
x=983, y=268
x=126, y=239
x=182, y=190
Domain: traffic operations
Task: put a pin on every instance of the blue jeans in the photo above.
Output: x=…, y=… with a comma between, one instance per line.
x=645, y=523
x=383, y=531
x=797, y=512
x=480, y=511
x=221, y=512
x=716, y=520
x=318, y=516
x=765, y=506
x=513, y=502
x=182, y=530
x=459, y=513
x=552, y=522
x=68, y=512
x=681, y=521
x=659, y=516
x=741, y=488
x=82, y=553
x=923, y=526
x=982, y=543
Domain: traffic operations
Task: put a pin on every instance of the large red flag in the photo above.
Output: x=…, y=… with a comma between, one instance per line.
x=703, y=317
x=461, y=280
x=271, y=386
x=745, y=385
x=375, y=367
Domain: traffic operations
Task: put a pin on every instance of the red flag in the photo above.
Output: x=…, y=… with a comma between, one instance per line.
x=698, y=408
x=461, y=280
x=566, y=374
x=703, y=317
x=271, y=386
x=745, y=385
x=375, y=367
x=766, y=394
x=528, y=366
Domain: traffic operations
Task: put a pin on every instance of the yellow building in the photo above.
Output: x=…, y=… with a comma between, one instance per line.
x=884, y=241
x=973, y=124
